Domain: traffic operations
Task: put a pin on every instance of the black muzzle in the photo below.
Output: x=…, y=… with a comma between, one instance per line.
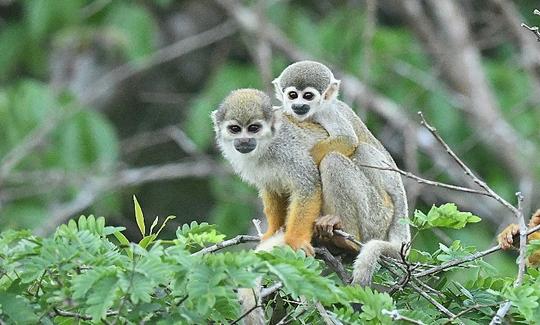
x=245, y=145
x=300, y=109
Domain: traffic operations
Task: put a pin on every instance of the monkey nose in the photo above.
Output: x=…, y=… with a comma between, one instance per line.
x=300, y=109
x=245, y=145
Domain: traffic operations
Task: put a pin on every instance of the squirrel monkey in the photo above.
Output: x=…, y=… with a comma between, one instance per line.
x=506, y=237
x=271, y=151
x=273, y=156
x=308, y=91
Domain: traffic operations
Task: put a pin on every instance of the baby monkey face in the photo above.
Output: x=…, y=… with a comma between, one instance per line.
x=302, y=103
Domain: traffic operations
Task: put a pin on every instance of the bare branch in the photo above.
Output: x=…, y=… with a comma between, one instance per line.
x=227, y=243
x=108, y=81
x=465, y=168
x=98, y=185
x=395, y=315
x=466, y=259
x=429, y=182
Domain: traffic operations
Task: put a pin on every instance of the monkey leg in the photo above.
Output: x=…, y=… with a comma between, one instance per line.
x=342, y=144
x=275, y=210
x=324, y=232
x=303, y=211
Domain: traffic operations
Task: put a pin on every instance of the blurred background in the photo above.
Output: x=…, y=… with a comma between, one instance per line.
x=102, y=99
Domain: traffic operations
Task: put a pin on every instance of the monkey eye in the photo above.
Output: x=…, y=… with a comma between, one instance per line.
x=254, y=128
x=234, y=129
x=293, y=94
x=308, y=95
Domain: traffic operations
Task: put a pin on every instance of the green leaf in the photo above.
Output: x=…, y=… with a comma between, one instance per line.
x=154, y=224
x=164, y=223
x=124, y=242
x=102, y=297
x=136, y=27
x=139, y=217
x=17, y=308
x=445, y=216
x=147, y=240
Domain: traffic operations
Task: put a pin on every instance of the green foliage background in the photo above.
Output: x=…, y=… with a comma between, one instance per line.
x=53, y=55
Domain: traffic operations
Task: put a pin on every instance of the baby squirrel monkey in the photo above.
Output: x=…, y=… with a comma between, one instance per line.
x=274, y=157
x=506, y=237
x=308, y=92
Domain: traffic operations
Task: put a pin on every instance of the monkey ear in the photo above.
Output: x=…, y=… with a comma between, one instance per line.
x=277, y=117
x=213, y=116
x=332, y=91
x=277, y=89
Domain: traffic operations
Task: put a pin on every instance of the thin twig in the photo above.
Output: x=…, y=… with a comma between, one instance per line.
x=465, y=168
x=429, y=182
x=332, y=262
x=271, y=289
x=469, y=309
x=466, y=259
x=66, y=313
x=227, y=243
x=324, y=314
x=395, y=315
x=533, y=29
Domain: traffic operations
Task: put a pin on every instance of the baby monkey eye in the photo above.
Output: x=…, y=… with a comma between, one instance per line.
x=234, y=129
x=254, y=128
x=308, y=95
x=293, y=94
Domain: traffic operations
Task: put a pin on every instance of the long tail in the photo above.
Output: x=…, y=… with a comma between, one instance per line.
x=370, y=254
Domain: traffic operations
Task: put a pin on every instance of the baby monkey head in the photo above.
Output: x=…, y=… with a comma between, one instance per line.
x=244, y=122
x=305, y=87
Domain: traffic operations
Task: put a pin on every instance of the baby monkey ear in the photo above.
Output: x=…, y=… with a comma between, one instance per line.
x=332, y=90
x=277, y=89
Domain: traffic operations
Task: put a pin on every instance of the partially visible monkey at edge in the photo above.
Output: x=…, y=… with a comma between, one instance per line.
x=506, y=238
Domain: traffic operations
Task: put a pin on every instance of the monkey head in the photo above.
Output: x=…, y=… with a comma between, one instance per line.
x=244, y=123
x=306, y=87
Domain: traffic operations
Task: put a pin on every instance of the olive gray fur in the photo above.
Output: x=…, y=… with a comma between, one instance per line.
x=304, y=74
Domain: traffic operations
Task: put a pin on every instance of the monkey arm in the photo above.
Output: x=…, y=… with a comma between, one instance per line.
x=275, y=210
x=342, y=144
x=303, y=211
x=506, y=238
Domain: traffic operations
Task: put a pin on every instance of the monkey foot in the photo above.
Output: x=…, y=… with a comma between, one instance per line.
x=301, y=244
x=325, y=226
x=506, y=237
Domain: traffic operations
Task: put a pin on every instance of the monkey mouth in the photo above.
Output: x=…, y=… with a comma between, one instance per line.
x=244, y=149
x=300, y=109
x=245, y=145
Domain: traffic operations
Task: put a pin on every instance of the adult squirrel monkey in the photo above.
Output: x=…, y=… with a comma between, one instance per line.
x=506, y=237
x=271, y=150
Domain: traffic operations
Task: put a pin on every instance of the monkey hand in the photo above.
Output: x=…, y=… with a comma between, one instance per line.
x=506, y=237
x=302, y=244
x=324, y=231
